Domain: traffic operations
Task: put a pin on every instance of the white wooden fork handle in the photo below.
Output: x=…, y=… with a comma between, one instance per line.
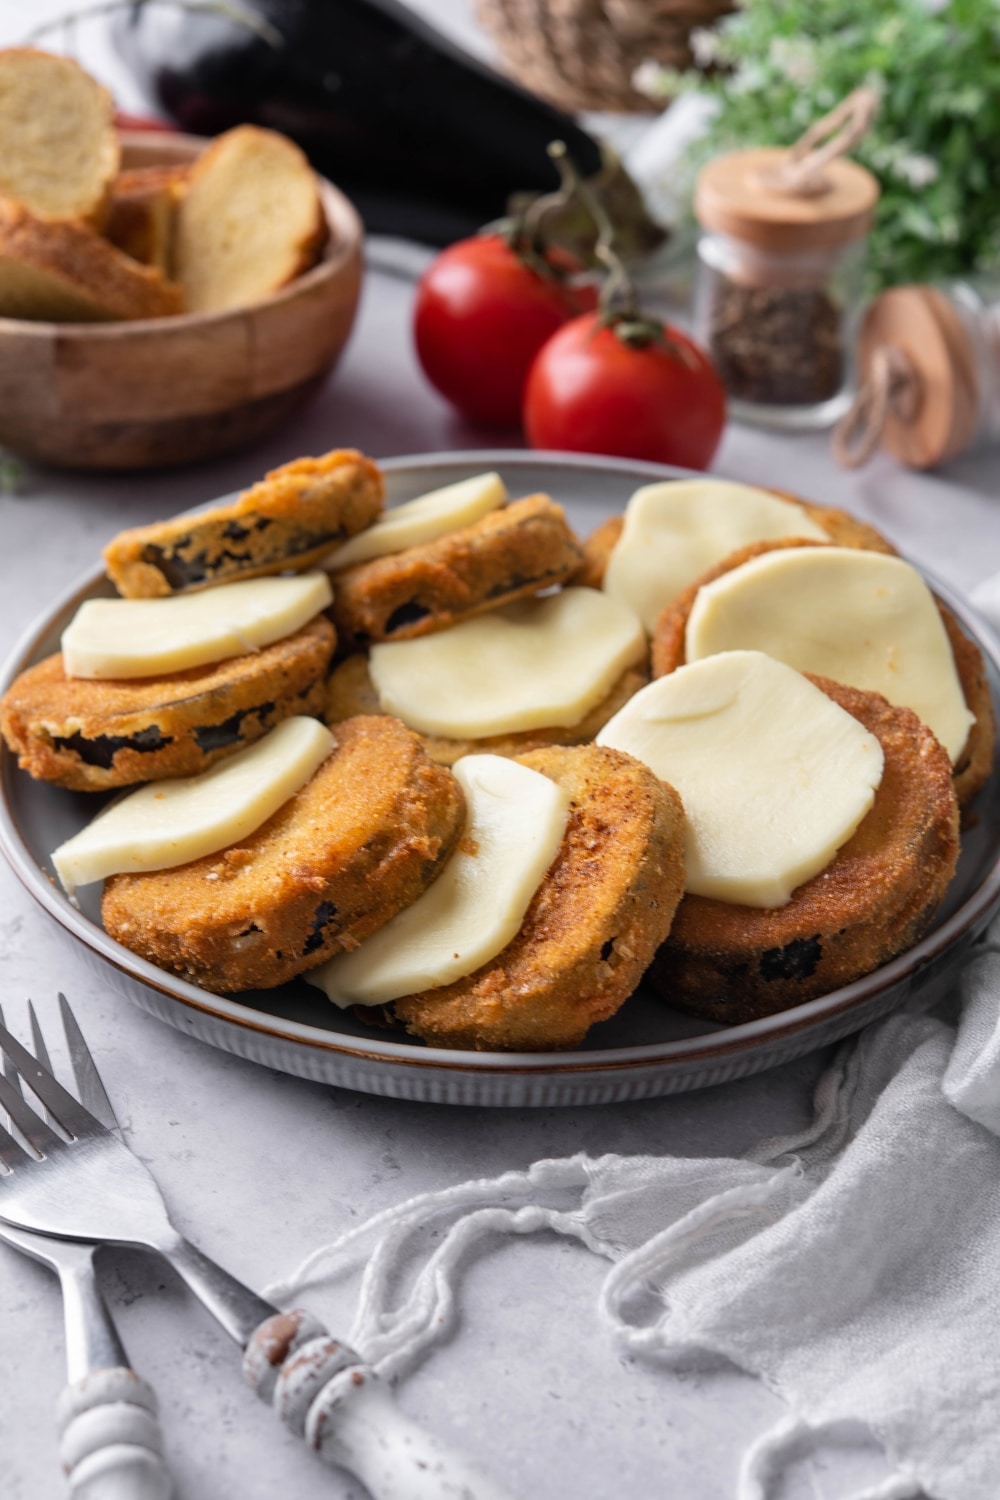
x=347, y=1415
x=323, y=1391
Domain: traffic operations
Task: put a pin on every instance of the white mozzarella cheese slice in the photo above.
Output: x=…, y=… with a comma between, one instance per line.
x=860, y=618
x=515, y=821
x=121, y=638
x=169, y=823
x=774, y=776
x=423, y=519
x=529, y=665
x=675, y=531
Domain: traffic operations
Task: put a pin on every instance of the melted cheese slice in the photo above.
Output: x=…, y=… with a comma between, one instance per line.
x=149, y=637
x=860, y=618
x=774, y=776
x=515, y=821
x=170, y=823
x=421, y=520
x=677, y=530
x=538, y=663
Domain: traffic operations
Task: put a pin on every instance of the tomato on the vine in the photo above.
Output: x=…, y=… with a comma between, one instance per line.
x=484, y=308
x=634, y=390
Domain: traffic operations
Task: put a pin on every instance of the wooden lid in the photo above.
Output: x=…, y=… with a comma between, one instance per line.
x=736, y=195
x=922, y=325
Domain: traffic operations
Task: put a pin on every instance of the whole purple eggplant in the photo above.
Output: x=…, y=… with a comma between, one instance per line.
x=428, y=141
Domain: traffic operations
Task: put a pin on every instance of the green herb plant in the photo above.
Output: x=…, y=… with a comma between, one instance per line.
x=935, y=145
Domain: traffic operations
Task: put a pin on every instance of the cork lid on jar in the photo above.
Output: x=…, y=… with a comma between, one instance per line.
x=764, y=197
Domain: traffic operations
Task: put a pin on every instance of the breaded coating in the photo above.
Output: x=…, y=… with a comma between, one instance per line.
x=606, y=903
x=509, y=554
x=290, y=520
x=973, y=766
x=351, y=691
x=972, y=769
x=843, y=530
x=364, y=838
x=91, y=735
x=874, y=900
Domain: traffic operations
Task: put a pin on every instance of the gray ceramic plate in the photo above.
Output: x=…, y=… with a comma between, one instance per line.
x=645, y=1050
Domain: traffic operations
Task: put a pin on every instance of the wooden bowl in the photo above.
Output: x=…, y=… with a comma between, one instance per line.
x=163, y=391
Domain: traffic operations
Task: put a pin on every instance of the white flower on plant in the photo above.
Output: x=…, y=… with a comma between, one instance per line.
x=706, y=46
x=795, y=58
x=918, y=170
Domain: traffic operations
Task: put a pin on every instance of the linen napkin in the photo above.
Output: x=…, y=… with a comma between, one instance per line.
x=855, y=1268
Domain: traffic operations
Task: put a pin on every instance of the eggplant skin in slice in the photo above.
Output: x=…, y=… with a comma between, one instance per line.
x=425, y=139
x=361, y=840
x=603, y=908
x=874, y=900
x=93, y=736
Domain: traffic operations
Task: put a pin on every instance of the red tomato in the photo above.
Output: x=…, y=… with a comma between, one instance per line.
x=592, y=392
x=482, y=314
x=125, y=121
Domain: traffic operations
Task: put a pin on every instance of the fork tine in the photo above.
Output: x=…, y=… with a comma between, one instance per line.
x=93, y=1095
x=41, y=1051
x=34, y=1129
x=11, y=1154
x=9, y=1071
x=67, y=1111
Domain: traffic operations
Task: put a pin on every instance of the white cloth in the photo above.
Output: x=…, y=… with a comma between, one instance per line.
x=854, y=1268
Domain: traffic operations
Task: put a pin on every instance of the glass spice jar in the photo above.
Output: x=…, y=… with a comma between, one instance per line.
x=780, y=279
x=929, y=374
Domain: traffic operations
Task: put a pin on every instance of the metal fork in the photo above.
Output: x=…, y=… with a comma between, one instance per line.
x=110, y=1438
x=87, y=1185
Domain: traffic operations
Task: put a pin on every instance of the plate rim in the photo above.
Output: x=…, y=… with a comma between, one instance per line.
x=709, y=1047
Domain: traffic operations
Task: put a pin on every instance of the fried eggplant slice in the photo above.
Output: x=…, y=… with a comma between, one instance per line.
x=592, y=927
x=509, y=554
x=975, y=762
x=874, y=900
x=91, y=735
x=351, y=691
x=844, y=530
x=290, y=520
x=361, y=840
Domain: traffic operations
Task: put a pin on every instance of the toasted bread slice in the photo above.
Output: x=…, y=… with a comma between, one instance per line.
x=875, y=899
x=60, y=147
x=92, y=735
x=64, y=272
x=361, y=840
x=251, y=220
x=142, y=211
x=290, y=519
x=606, y=903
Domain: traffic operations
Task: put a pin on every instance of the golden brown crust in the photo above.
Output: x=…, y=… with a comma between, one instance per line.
x=973, y=767
x=844, y=530
x=363, y=839
x=734, y=963
x=63, y=271
x=92, y=735
x=592, y=927
x=509, y=554
x=290, y=519
x=140, y=218
x=351, y=691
